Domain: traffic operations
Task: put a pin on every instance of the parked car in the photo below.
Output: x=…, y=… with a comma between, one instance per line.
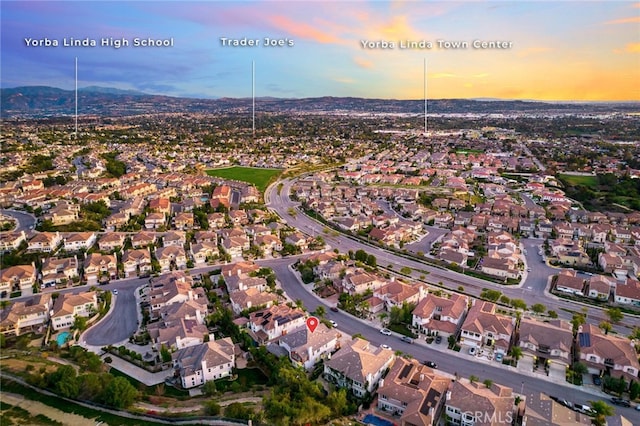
x=385, y=347
x=334, y=308
x=385, y=331
x=472, y=350
x=438, y=340
x=333, y=323
x=406, y=339
x=430, y=364
x=499, y=357
x=621, y=402
x=584, y=409
x=115, y=291
x=596, y=380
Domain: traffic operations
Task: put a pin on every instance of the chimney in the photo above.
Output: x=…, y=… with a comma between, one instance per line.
x=448, y=395
x=381, y=383
x=421, y=377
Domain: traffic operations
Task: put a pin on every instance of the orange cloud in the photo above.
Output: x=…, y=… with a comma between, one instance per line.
x=363, y=63
x=302, y=30
x=633, y=20
x=629, y=48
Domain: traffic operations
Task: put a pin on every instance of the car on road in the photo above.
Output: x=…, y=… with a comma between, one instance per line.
x=334, y=308
x=333, y=323
x=115, y=291
x=406, y=339
x=528, y=269
x=430, y=364
x=621, y=402
x=385, y=347
x=472, y=350
x=438, y=340
x=596, y=380
x=584, y=409
x=385, y=331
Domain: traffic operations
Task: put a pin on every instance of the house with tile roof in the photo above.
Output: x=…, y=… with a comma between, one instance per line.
x=413, y=392
x=358, y=366
x=546, y=343
x=484, y=328
x=475, y=404
x=25, y=315
x=305, y=348
x=607, y=353
x=67, y=306
x=440, y=315
x=271, y=323
x=199, y=364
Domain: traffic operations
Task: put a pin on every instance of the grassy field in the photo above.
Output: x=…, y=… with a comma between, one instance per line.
x=259, y=177
x=574, y=180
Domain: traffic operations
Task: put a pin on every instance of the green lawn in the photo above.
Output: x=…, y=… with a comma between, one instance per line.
x=257, y=176
x=574, y=180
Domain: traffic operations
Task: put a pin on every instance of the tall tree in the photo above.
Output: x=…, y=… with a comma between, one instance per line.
x=602, y=410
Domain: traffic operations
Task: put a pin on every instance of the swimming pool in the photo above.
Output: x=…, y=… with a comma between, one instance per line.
x=370, y=419
x=63, y=337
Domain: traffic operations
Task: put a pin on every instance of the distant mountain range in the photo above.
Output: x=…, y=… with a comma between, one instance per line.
x=44, y=101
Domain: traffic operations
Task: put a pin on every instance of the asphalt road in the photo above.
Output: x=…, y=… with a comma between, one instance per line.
x=532, y=290
x=26, y=221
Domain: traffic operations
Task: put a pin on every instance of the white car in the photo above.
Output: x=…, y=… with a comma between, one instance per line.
x=385, y=331
x=115, y=292
x=472, y=350
x=385, y=347
x=333, y=323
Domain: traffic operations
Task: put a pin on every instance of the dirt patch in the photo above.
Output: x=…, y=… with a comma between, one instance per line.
x=18, y=365
x=35, y=408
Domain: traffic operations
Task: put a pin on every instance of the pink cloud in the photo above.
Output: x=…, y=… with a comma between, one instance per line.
x=301, y=30
x=633, y=20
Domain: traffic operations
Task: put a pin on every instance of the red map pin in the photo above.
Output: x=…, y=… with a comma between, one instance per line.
x=312, y=323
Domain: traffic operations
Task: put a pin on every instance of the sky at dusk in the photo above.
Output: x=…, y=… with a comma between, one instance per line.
x=548, y=50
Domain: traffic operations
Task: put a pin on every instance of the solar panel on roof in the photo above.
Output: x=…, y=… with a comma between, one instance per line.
x=405, y=371
x=584, y=339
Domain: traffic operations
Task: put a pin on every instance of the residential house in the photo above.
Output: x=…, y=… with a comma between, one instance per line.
x=503, y=268
x=413, y=392
x=547, y=344
x=473, y=403
x=541, y=410
x=204, y=251
x=100, y=268
x=484, y=328
x=396, y=293
x=154, y=220
x=183, y=221
x=111, y=241
x=297, y=239
x=11, y=241
x=627, y=292
x=45, y=242
x=251, y=298
x=75, y=241
x=174, y=287
x=143, y=239
x=67, y=306
x=171, y=257
x=306, y=348
x=269, y=244
x=436, y=315
x=567, y=281
x=25, y=315
x=136, y=262
x=17, y=278
x=160, y=205
x=606, y=353
x=358, y=366
x=599, y=287
x=360, y=281
x=199, y=364
x=57, y=271
x=271, y=323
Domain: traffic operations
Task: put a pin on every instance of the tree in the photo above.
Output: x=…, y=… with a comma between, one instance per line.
x=577, y=321
x=538, y=308
x=580, y=369
x=602, y=410
x=488, y=382
x=165, y=353
x=615, y=315
x=209, y=388
x=606, y=326
x=320, y=311
x=516, y=353
x=80, y=323
x=119, y=393
x=212, y=408
x=552, y=314
x=473, y=378
x=519, y=304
